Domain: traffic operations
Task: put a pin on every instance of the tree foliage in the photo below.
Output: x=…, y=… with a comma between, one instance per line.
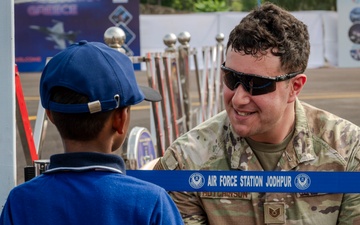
x=211, y=6
x=241, y=5
x=296, y=5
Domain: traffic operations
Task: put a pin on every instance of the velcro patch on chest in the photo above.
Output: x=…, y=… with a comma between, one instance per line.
x=226, y=195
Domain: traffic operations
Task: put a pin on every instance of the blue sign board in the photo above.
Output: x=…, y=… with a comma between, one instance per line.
x=45, y=27
x=252, y=181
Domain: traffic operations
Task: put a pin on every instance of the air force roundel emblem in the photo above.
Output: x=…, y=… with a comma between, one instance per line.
x=302, y=181
x=196, y=180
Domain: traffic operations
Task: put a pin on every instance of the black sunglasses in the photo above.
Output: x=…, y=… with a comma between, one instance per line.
x=254, y=84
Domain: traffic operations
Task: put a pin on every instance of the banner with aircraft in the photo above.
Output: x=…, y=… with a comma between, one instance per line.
x=45, y=27
x=348, y=33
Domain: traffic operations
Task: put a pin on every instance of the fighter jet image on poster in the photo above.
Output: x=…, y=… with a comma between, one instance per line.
x=57, y=34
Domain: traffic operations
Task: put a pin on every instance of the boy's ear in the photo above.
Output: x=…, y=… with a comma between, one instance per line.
x=49, y=115
x=120, y=117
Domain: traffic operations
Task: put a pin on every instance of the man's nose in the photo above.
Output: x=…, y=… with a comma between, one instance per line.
x=241, y=96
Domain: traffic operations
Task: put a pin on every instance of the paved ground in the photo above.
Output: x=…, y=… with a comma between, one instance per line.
x=333, y=89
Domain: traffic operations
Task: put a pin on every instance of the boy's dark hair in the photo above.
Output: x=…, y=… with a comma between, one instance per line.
x=270, y=27
x=76, y=126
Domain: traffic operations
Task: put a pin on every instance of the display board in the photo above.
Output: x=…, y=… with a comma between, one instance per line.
x=45, y=27
x=348, y=33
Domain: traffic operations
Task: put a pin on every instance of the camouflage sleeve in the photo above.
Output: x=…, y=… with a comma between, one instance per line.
x=158, y=166
x=189, y=207
x=350, y=210
x=188, y=203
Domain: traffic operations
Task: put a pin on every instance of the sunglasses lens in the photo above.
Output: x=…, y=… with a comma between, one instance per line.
x=253, y=85
x=231, y=80
x=262, y=86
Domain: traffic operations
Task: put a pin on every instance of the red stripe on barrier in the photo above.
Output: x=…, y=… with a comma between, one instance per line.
x=23, y=116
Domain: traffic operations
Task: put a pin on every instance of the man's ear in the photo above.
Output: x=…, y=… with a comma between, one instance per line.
x=297, y=84
x=120, y=117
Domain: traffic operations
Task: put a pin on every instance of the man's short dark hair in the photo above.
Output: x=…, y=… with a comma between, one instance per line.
x=270, y=27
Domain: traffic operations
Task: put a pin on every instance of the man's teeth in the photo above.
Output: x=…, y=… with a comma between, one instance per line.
x=243, y=113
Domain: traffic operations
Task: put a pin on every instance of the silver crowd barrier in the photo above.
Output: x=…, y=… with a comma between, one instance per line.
x=170, y=73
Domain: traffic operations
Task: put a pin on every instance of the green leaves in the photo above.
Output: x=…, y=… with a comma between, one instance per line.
x=211, y=6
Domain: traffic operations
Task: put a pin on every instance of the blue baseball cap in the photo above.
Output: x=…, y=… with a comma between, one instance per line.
x=105, y=75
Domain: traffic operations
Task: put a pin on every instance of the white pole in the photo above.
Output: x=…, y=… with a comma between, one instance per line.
x=7, y=100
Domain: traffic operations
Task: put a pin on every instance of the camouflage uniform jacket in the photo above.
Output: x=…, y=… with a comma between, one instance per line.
x=321, y=142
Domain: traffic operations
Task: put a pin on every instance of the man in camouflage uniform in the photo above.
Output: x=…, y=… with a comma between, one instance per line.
x=266, y=128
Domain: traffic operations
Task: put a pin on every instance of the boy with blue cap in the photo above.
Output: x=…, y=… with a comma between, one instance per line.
x=87, y=91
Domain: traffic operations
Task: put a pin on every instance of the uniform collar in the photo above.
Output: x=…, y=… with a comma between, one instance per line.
x=303, y=136
x=82, y=161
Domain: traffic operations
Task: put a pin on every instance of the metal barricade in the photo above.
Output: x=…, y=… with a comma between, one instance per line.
x=168, y=72
x=210, y=80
